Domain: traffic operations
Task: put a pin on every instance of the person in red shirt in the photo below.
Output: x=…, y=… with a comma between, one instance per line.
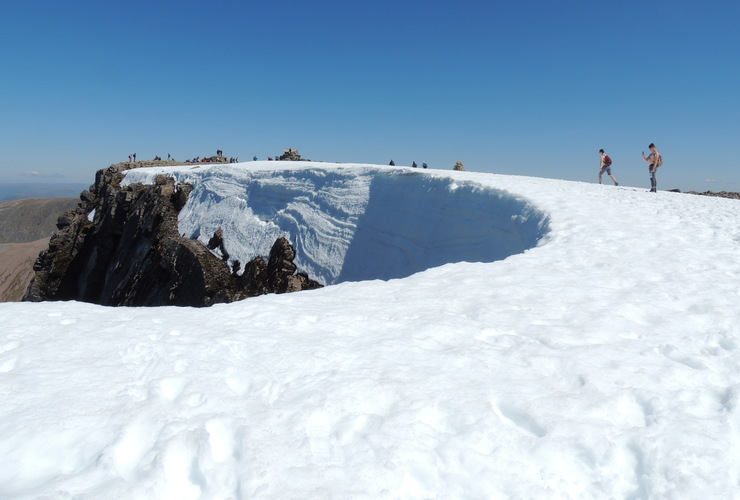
x=606, y=166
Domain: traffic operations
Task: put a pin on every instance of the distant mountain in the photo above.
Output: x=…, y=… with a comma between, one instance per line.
x=12, y=191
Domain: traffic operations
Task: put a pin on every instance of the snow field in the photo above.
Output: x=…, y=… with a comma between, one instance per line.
x=601, y=362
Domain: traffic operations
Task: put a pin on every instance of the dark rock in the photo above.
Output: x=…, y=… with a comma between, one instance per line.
x=87, y=197
x=217, y=243
x=720, y=194
x=133, y=255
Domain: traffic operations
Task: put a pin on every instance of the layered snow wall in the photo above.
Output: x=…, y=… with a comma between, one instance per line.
x=353, y=222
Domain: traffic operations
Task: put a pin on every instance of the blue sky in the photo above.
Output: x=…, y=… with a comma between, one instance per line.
x=526, y=87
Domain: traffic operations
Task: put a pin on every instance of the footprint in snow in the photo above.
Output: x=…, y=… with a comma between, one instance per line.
x=8, y=365
x=9, y=347
x=672, y=353
x=171, y=388
x=519, y=420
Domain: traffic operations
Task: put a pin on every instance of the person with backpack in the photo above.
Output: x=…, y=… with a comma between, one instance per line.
x=654, y=160
x=606, y=166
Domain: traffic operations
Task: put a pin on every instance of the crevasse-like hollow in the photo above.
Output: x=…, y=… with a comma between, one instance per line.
x=356, y=223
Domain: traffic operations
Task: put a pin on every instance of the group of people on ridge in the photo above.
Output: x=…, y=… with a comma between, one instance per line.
x=413, y=164
x=654, y=160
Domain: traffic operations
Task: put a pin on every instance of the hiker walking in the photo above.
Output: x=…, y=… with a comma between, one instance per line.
x=654, y=160
x=606, y=166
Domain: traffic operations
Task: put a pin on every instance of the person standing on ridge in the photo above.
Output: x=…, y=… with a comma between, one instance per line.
x=413, y=164
x=392, y=163
x=423, y=165
x=606, y=166
x=654, y=160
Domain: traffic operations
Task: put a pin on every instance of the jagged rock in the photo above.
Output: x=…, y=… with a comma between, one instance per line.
x=87, y=197
x=132, y=254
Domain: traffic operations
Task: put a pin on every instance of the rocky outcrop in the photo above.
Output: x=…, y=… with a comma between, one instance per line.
x=719, y=194
x=291, y=154
x=459, y=166
x=121, y=247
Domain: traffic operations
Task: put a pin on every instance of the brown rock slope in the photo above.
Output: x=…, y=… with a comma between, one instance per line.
x=16, y=267
x=31, y=219
x=25, y=227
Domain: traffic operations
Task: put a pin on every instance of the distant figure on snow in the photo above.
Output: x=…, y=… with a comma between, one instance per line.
x=254, y=159
x=654, y=160
x=392, y=163
x=606, y=166
x=423, y=165
x=129, y=158
x=413, y=164
x=458, y=166
x=168, y=157
x=134, y=156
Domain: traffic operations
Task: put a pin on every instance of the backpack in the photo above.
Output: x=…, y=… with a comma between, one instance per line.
x=660, y=161
x=607, y=160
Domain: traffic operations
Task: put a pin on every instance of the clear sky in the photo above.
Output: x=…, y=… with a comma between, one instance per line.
x=528, y=87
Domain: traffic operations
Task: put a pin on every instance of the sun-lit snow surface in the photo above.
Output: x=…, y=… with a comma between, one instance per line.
x=602, y=363
x=352, y=223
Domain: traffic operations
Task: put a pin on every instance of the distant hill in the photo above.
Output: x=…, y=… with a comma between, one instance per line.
x=25, y=228
x=31, y=219
x=12, y=191
x=16, y=267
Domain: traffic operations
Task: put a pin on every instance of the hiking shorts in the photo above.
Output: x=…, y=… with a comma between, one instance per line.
x=607, y=169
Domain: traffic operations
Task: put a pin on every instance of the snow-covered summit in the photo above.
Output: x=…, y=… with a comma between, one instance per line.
x=602, y=362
